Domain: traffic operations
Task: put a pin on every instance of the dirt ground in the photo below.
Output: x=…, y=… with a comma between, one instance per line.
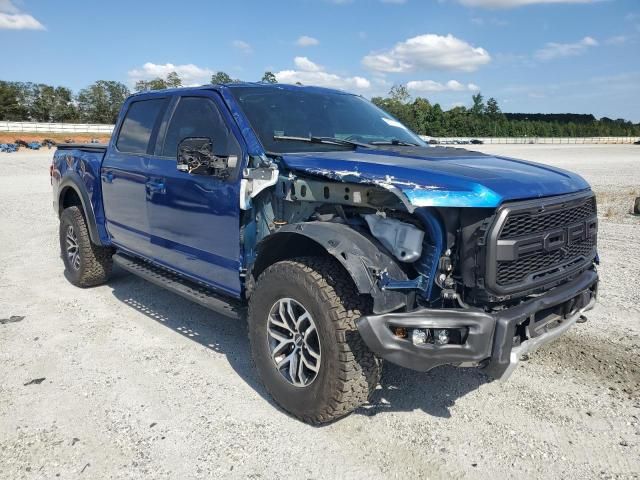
x=11, y=137
x=126, y=380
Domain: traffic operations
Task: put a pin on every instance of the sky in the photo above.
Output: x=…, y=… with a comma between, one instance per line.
x=549, y=56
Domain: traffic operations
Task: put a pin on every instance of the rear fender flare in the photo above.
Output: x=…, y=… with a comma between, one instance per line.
x=73, y=181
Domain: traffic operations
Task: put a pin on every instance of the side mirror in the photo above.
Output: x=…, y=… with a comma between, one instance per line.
x=195, y=155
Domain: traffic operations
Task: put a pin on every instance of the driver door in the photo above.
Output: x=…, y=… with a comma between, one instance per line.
x=194, y=219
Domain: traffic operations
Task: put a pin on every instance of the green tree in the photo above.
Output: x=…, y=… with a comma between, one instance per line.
x=493, y=109
x=101, y=101
x=153, y=84
x=478, y=104
x=173, y=80
x=10, y=106
x=399, y=93
x=269, y=77
x=221, y=77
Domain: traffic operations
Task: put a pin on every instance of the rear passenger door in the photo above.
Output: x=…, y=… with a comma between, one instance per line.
x=195, y=219
x=124, y=174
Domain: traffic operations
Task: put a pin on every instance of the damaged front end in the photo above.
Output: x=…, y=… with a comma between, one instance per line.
x=419, y=256
x=391, y=254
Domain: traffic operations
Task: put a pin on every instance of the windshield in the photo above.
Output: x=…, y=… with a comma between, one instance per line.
x=277, y=112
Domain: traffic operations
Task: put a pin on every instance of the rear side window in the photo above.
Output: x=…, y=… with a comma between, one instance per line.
x=138, y=125
x=199, y=117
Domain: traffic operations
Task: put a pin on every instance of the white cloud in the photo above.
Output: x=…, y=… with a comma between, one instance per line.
x=243, y=46
x=12, y=19
x=310, y=73
x=557, y=50
x=306, y=41
x=306, y=65
x=190, y=74
x=432, y=86
x=426, y=52
x=515, y=3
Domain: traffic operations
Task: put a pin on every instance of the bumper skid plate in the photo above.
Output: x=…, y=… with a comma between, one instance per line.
x=493, y=339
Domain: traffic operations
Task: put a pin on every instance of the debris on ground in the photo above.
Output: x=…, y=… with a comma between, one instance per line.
x=8, y=147
x=35, y=381
x=11, y=319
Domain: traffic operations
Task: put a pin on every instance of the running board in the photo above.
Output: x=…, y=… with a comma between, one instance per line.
x=165, y=278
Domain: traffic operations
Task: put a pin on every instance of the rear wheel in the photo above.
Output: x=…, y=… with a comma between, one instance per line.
x=86, y=264
x=304, y=343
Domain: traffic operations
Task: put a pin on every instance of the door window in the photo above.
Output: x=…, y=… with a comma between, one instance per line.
x=138, y=124
x=199, y=117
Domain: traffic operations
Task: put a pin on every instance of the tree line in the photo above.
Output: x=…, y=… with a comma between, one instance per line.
x=486, y=119
x=100, y=103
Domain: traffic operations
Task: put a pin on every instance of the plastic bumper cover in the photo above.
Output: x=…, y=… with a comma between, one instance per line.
x=492, y=340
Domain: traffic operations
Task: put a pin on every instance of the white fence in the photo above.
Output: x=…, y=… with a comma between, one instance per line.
x=534, y=140
x=36, y=127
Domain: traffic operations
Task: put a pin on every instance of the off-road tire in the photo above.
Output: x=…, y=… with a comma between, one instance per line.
x=95, y=261
x=349, y=371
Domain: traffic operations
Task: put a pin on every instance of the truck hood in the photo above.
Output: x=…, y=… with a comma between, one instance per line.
x=437, y=176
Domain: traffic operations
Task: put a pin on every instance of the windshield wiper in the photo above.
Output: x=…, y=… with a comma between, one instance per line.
x=325, y=140
x=395, y=141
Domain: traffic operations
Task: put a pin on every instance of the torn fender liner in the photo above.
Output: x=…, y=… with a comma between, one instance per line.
x=360, y=255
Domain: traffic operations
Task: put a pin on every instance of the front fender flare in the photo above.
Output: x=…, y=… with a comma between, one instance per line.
x=360, y=255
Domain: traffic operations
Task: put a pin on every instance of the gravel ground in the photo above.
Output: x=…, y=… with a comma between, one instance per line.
x=128, y=381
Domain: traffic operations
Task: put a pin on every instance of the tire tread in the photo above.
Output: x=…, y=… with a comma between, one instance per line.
x=359, y=369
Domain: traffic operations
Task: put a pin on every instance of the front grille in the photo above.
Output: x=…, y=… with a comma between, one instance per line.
x=516, y=271
x=525, y=223
x=532, y=243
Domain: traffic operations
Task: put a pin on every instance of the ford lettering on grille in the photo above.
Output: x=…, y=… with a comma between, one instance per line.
x=534, y=242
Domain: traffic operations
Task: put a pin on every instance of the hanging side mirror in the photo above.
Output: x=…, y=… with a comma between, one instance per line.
x=195, y=156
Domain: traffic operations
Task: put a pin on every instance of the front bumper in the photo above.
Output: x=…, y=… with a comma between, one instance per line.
x=495, y=341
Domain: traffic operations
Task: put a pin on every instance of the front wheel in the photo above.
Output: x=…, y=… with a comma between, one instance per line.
x=304, y=343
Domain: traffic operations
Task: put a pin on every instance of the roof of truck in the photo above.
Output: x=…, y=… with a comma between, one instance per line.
x=219, y=86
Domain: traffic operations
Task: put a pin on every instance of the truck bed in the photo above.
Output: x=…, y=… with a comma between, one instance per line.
x=91, y=147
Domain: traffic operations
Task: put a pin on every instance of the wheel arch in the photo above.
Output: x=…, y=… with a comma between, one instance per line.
x=359, y=255
x=72, y=194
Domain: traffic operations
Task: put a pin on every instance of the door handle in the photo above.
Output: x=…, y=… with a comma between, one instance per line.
x=107, y=177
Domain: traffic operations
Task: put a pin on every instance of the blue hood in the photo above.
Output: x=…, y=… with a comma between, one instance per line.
x=442, y=177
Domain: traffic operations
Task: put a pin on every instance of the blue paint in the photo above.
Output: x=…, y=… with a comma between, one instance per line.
x=469, y=180
x=432, y=247
x=190, y=223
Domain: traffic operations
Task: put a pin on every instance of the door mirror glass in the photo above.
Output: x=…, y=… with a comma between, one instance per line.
x=195, y=156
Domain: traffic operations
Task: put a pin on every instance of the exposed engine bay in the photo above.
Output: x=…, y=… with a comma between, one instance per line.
x=440, y=252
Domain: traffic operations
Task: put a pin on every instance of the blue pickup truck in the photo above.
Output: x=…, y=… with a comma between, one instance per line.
x=341, y=236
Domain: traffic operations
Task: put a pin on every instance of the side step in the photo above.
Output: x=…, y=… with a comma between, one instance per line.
x=165, y=278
